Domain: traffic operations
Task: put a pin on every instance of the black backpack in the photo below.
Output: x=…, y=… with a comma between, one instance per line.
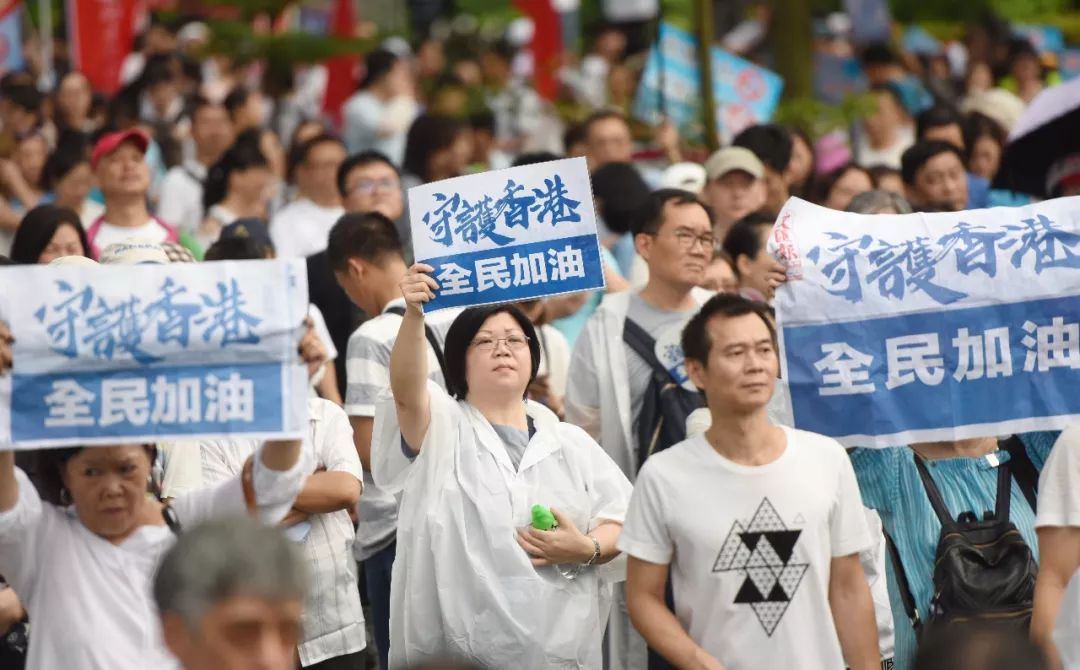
x=662, y=421
x=984, y=572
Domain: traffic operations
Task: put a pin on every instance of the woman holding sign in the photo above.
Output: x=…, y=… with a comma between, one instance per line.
x=475, y=577
x=84, y=567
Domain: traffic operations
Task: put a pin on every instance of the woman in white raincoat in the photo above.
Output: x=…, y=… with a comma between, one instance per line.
x=472, y=579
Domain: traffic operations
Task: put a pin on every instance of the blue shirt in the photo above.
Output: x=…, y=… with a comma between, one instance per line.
x=890, y=484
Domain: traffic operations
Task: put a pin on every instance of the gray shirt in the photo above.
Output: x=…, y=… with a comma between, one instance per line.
x=515, y=440
x=655, y=321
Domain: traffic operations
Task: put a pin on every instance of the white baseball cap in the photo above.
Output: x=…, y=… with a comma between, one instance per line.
x=134, y=252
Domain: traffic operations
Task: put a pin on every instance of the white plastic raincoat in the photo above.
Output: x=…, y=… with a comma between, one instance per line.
x=462, y=586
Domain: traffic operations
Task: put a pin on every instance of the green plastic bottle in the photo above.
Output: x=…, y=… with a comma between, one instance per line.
x=542, y=518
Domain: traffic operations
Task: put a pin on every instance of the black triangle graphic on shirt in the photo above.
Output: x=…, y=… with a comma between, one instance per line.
x=748, y=593
x=783, y=541
x=777, y=594
x=750, y=539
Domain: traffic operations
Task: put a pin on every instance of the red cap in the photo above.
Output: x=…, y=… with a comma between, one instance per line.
x=110, y=142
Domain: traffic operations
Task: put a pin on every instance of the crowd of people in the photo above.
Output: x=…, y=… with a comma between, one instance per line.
x=695, y=529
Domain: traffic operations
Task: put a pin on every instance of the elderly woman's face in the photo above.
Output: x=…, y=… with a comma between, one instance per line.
x=498, y=359
x=108, y=488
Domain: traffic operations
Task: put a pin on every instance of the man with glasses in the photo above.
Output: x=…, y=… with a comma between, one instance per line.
x=300, y=229
x=607, y=387
x=366, y=182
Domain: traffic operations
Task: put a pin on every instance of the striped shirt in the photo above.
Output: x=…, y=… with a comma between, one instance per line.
x=367, y=365
x=333, y=619
x=890, y=484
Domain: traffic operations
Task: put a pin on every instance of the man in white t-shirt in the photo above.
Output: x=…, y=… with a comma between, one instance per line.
x=759, y=526
x=301, y=228
x=119, y=162
x=181, y=200
x=1055, y=620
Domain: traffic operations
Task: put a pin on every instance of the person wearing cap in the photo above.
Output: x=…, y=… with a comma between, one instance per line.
x=735, y=187
x=687, y=176
x=123, y=175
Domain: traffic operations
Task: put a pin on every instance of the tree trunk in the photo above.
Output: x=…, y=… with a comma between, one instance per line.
x=791, y=43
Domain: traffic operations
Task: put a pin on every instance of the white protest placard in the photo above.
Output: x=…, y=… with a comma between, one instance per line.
x=142, y=353
x=922, y=327
x=508, y=235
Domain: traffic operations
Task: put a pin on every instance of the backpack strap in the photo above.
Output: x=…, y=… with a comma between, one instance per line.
x=1022, y=469
x=1004, y=492
x=432, y=339
x=932, y=492
x=903, y=585
x=643, y=344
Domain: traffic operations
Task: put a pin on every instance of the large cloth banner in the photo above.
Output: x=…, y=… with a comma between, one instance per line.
x=508, y=235
x=135, y=353
x=922, y=327
x=670, y=87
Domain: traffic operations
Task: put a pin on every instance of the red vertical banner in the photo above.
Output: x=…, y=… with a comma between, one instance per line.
x=546, y=45
x=100, y=34
x=340, y=70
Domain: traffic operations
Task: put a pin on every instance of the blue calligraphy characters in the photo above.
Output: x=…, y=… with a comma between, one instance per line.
x=457, y=220
x=81, y=322
x=899, y=269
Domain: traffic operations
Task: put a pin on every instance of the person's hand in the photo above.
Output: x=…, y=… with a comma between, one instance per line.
x=11, y=609
x=312, y=350
x=418, y=287
x=563, y=544
x=294, y=517
x=777, y=276
x=703, y=661
x=6, y=340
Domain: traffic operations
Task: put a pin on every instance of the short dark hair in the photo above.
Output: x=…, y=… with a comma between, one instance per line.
x=827, y=181
x=979, y=125
x=772, y=144
x=244, y=154
x=881, y=171
x=696, y=342
x=377, y=64
x=361, y=159
x=878, y=53
x=744, y=238
x=922, y=151
x=70, y=152
x=937, y=116
x=201, y=102
x=652, y=213
x=483, y=119
x=300, y=152
x=236, y=249
x=366, y=235
x=598, y=116
x=26, y=97
x=621, y=194
x=574, y=133
x=535, y=157
x=236, y=99
x=461, y=334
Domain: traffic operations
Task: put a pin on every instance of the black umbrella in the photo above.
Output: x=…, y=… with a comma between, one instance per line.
x=1047, y=131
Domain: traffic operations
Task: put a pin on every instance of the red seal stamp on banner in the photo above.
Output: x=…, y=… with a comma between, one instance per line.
x=785, y=250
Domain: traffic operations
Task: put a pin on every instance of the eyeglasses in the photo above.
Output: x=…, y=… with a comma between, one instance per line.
x=368, y=186
x=513, y=342
x=685, y=239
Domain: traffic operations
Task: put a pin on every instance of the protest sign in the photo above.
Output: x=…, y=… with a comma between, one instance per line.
x=508, y=235
x=837, y=77
x=909, y=328
x=143, y=353
x=670, y=86
x=1069, y=64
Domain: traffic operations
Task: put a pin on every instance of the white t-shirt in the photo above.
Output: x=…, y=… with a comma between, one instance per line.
x=180, y=203
x=109, y=234
x=90, y=599
x=750, y=547
x=1059, y=505
x=301, y=228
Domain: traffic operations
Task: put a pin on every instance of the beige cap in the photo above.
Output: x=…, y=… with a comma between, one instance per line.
x=729, y=159
x=134, y=252
x=80, y=261
x=1002, y=106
